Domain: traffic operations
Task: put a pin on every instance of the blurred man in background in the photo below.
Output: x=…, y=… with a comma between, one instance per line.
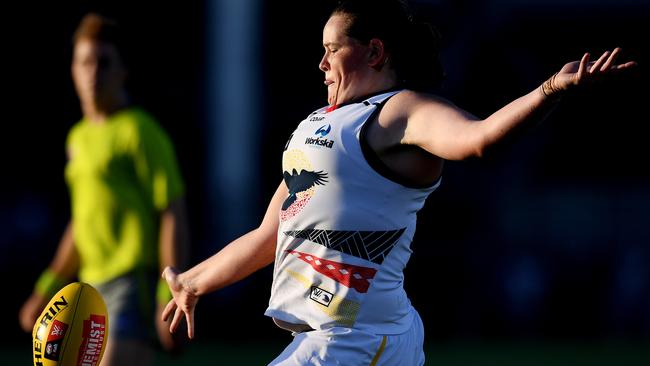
x=127, y=198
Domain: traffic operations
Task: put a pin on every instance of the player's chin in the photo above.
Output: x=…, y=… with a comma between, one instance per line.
x=332, y=95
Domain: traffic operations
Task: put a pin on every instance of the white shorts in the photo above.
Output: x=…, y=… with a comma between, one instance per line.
x=348, y=346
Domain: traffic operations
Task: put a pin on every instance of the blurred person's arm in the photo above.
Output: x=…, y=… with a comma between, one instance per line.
x=173, y=252
x=159, y=175
x=62, y=269
x=239, y=259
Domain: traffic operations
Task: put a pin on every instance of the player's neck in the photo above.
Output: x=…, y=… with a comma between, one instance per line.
x=383, y=81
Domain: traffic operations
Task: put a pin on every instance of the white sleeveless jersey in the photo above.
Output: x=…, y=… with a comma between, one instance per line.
x=345, y=229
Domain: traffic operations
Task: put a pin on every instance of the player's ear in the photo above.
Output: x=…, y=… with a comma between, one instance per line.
x=377, y=56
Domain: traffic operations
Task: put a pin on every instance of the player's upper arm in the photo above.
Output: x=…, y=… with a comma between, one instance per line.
x=271, y=222
x=438, y=126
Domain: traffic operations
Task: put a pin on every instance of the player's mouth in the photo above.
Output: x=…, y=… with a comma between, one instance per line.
x=328, y=82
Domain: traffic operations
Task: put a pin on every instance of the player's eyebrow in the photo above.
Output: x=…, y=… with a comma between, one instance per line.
x=331, y=44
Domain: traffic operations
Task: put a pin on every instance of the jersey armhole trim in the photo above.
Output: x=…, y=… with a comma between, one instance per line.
x=375, y=162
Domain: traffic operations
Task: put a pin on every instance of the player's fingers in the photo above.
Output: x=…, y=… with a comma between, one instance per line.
x=178, y=315
x=189, y=317
x=582, y=69
x=624, y=66
x=610, y=60
x=596, y=66
x=171, y=305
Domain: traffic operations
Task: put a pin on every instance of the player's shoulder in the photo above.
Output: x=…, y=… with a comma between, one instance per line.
x=399, y=108
x=406, y=102
x=408, y=98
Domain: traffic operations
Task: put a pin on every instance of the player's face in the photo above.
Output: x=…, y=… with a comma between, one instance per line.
x=345, y=63
x=97, y=72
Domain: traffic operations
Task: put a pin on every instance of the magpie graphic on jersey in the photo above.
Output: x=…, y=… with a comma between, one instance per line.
x=300, y=182
x=372, y=246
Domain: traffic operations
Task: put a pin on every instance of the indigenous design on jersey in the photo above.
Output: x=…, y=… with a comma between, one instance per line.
x=373, y=246
x=301, y=182
x=356, y=277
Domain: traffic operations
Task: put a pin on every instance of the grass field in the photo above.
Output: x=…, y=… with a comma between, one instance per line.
x=452, y=354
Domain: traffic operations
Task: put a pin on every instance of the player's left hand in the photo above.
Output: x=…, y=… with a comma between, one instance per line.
x=183, y=302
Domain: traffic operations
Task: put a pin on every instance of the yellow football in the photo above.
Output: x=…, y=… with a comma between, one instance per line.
x=72, y=330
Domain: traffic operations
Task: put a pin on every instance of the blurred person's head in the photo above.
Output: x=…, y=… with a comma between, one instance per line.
x=98, y=69
x=374, y=44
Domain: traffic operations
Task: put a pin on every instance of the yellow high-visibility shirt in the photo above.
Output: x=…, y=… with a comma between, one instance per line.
x=121, y=175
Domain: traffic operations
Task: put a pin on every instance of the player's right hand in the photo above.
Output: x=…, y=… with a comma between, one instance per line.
x=183, y=302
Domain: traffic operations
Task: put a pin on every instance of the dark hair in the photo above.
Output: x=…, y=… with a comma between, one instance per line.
x=97, y=27
x=413, y=46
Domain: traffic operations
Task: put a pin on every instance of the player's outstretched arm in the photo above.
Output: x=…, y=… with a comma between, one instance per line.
x=234, y=262
x=583, y=72
x=451, y=133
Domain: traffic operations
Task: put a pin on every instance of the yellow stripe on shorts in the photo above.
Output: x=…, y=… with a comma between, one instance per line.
x=379, y=352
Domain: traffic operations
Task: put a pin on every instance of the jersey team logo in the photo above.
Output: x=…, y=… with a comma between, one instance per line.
x=323, y=130
x=320, y=140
